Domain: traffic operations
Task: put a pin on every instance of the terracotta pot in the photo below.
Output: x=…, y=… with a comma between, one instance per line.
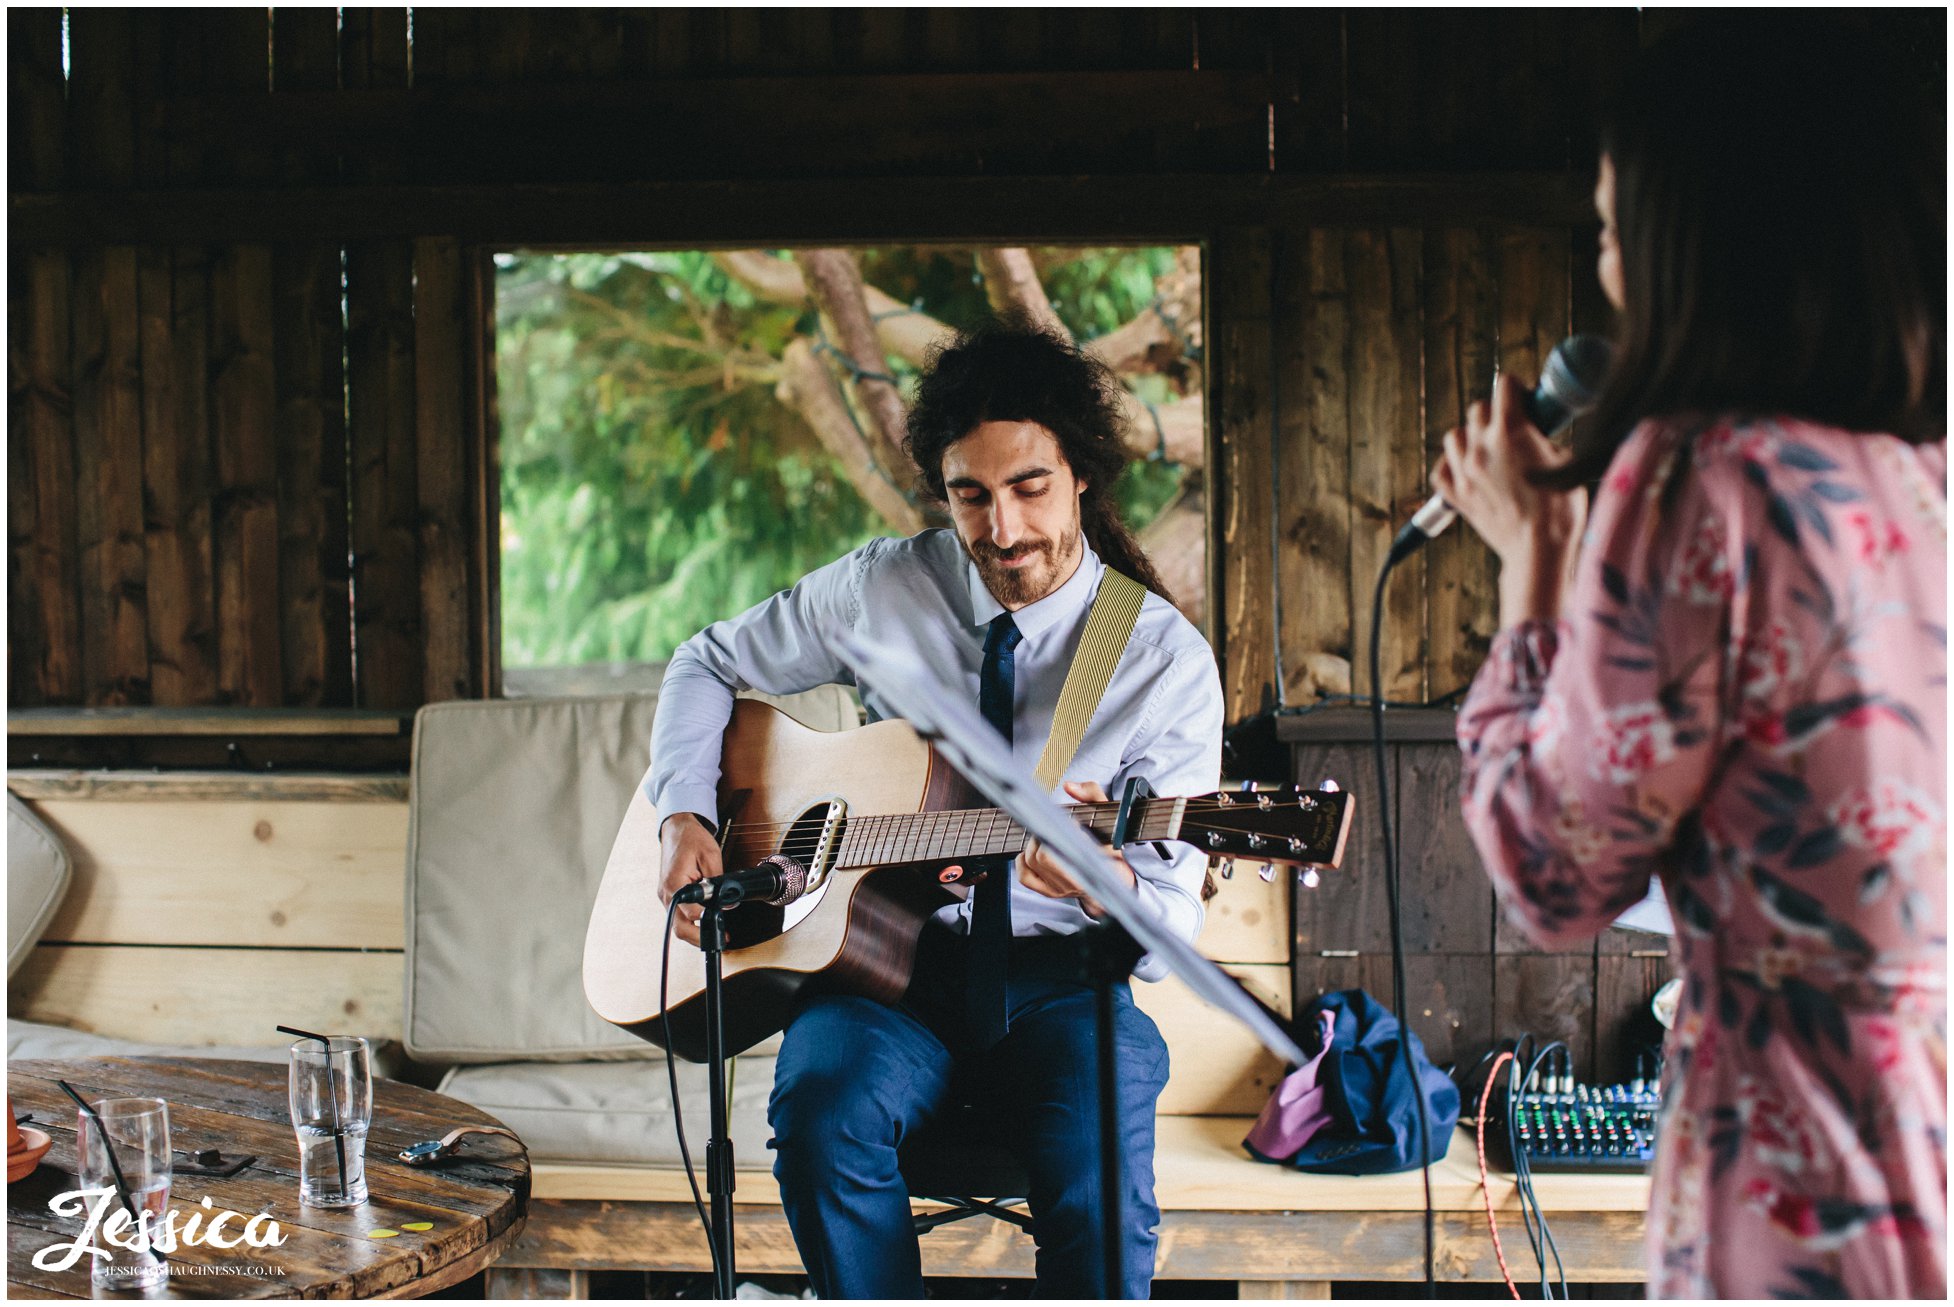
x=26, y=1146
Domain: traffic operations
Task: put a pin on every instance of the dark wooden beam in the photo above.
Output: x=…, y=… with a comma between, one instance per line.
x=941, y=110
x=204, y=721
x=731, y=214
x=1352, y=725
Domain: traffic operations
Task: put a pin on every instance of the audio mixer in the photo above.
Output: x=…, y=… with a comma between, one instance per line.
x=1564, y=1126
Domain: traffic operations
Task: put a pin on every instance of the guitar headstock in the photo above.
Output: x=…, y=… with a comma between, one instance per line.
x=1293, y=825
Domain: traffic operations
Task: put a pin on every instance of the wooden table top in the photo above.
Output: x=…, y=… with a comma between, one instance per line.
x=473, y=1207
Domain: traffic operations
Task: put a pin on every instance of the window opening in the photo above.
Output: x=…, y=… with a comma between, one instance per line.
x=670, y=420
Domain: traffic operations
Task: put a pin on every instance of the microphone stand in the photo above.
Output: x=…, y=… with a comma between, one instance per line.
x=1107, y=954
x=719, y=1143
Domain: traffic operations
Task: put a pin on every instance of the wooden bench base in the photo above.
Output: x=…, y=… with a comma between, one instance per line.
x=1274, y=1232
x=1296, y=1252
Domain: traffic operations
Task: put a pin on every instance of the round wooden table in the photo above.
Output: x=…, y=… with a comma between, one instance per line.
x=448, y=1221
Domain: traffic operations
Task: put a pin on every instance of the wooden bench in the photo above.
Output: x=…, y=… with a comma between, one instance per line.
x=1276, y=1233
x=289, y=889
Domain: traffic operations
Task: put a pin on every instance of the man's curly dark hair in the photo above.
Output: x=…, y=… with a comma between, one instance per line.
x=1012, y=370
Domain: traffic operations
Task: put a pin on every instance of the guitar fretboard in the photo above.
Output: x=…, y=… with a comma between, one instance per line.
x=984, y=832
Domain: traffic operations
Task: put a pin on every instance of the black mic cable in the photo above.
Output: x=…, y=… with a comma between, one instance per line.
x=671, y=1072
x=1385, y=823
x=1568, y=386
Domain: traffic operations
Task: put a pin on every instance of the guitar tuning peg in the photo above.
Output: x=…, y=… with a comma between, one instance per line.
x=1248, y=787
x=1328, y=786
x=1227, y=866
x=1267, y=871
x=1309, y=878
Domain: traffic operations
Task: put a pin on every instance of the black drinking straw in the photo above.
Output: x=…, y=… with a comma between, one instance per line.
x=332, y=1095
x=115, y=1167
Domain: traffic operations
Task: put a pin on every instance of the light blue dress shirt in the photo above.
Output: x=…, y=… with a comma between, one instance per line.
x=1160, y=717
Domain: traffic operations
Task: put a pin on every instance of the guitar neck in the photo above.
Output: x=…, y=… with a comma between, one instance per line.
x=986, y=832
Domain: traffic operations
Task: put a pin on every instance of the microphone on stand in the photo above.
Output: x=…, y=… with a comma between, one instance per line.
x=778, y=880
x=1569, y=385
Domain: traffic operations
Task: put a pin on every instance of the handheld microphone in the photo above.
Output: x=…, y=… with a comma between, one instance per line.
x=778, y=880
x=1569, y=385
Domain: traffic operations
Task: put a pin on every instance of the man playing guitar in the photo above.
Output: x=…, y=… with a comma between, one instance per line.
x=1018, y=432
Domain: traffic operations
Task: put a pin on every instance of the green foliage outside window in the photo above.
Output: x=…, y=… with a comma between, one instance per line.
x=651, y=481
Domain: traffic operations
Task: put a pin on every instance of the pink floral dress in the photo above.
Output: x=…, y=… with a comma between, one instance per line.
x=1747, y=697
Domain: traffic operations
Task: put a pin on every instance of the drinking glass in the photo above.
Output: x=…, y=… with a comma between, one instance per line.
x=127, y=1140
x=332, y=1106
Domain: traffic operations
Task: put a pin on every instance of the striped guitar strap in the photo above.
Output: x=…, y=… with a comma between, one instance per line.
x=1108, y=627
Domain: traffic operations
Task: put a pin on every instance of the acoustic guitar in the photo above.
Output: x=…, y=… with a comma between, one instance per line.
x=872, y=817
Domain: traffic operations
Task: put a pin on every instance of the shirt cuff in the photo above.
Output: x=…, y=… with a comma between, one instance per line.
x=678, y=796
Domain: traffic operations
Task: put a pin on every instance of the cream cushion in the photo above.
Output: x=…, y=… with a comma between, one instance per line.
x=513, y=807
x=38, y=872
x=618, y=1113
x=32, y=1040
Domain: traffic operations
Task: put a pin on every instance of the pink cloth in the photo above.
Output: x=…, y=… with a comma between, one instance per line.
x=1296, y=1110
x=1747, y=697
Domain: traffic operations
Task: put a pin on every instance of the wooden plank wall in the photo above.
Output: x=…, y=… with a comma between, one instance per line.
x=155, y=941
x=180, y=449
x=1471, y=979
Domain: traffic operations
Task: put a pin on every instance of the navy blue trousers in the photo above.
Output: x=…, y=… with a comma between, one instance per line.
x=855, y=1078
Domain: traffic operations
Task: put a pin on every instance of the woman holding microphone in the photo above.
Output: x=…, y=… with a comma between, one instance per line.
x=1730, y=673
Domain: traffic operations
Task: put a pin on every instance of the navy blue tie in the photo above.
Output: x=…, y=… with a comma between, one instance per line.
x=990, y=909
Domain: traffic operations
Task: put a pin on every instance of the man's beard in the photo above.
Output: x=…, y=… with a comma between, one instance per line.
x=1014, y=587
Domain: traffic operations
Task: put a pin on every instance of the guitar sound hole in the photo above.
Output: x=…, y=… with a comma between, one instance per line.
x=754, y=923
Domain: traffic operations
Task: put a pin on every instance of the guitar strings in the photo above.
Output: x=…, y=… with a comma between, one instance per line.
x=1093, y=811
x=910, y=836
x=900, y=837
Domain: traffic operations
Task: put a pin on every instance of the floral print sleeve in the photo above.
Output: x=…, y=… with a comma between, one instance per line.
x=1747, y=698
x=1588, y=739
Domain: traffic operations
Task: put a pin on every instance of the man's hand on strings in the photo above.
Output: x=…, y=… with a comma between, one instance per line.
x=691, y=853
x=1040, y=871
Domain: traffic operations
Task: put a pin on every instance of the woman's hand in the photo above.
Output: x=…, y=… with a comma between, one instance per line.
x=1040, y=870
x=1484, y=474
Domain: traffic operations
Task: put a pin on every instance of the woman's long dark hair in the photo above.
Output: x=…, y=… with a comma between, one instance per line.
x=1779, y=204
x=1011, y=370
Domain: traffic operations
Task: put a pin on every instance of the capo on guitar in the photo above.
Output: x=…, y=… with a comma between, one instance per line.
x=1137, y=788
